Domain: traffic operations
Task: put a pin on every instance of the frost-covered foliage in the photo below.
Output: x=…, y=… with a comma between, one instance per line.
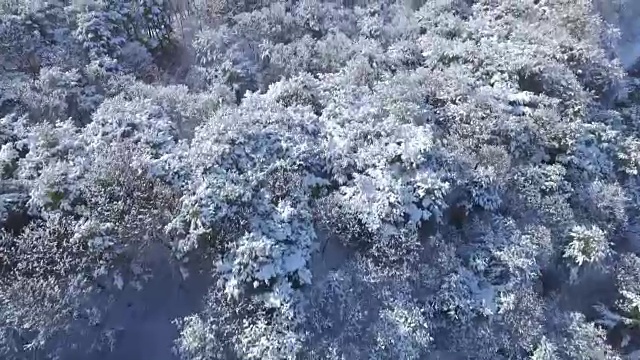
x=353, y=179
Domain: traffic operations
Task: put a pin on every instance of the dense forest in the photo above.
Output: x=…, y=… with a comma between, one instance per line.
x=309, y=179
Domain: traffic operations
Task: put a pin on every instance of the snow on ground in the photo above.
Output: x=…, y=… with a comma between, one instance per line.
x=143, y=319
x=625, y=15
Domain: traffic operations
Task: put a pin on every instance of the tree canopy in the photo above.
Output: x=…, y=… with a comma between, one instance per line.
x=333, y=179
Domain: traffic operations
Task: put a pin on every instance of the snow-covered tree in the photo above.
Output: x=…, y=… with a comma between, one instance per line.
x=347, y=179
